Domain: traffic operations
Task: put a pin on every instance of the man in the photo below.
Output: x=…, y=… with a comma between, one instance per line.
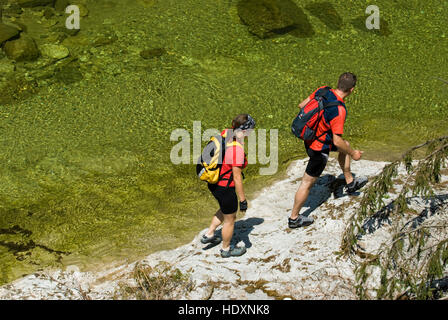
x=329, y=131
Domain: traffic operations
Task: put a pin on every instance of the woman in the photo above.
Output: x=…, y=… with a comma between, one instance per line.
x=230, y=185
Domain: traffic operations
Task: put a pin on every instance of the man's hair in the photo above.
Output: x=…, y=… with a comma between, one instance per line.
x=239, y=120
x=346, y=81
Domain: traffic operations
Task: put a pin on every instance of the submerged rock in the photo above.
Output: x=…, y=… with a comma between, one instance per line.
x=48, y=13
x=83, y=11
x=7, y=32
x=61, y=5
x=267, y=18
x=54, y=51
x=12, y=10
x=34, y=3
x=6, y=67
x=327, y=13
x=69, y=32
x=22, y=49
x=152, y=53
x=69, y=73
x=54, y=37
x=105, y=39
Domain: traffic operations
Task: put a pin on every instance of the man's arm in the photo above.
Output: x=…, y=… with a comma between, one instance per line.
x=304, y=102
x=344, y=146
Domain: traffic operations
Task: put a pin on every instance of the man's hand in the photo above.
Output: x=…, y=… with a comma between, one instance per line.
x=356, y=154
x=344, y=146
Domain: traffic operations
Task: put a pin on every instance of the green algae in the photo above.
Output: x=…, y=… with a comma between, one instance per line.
x=85, y=163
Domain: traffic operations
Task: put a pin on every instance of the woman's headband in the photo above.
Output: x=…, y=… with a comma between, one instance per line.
x=249, y=124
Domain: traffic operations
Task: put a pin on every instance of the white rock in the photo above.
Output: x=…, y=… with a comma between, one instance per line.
x=72, y=268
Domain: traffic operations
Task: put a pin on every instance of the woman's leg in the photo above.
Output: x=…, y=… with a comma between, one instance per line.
x=227, y=230
x=218, y=218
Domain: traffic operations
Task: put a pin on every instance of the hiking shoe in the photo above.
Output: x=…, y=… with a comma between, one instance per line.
x=356, y=184
x=214, y=239
x=233, y=252
x=300, y=221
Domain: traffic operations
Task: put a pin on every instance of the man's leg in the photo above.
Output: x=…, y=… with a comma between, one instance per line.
x=344, y=161
x=302, y=194
x=352, y=184
x=316, y=165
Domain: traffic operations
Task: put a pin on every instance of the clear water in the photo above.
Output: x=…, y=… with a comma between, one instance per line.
x=86, y=175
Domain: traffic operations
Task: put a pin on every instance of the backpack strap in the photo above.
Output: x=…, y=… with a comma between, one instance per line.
x=322, y=92
x=331, y=104
x=223, y=174
x=234, y=143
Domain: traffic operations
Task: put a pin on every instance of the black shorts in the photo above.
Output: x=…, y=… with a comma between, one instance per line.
x=317, y=163
x=227, y=199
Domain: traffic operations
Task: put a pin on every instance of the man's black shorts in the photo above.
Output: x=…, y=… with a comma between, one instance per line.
x=227, y=199
x=317, y=163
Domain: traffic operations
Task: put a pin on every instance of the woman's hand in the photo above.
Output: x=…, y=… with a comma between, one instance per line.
x=243, y=205
x=238, y=178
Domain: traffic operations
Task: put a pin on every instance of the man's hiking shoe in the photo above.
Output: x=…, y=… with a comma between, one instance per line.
x=300, y=221
x=233, y=252
x=214, y=239
x=356, y=184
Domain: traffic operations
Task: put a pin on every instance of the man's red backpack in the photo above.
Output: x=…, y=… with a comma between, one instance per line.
x=307, y=121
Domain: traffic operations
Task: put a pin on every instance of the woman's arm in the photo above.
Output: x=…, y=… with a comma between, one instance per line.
x=238, y=178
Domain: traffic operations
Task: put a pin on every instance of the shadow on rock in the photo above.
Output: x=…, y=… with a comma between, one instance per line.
x=69, y=72
x=269, y=18
x=319, y=194
x=382, y=217
x=241, y=232
x=322, y=190
x=326, y=12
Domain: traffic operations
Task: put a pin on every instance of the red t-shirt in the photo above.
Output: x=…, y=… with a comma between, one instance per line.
x=333, y=119
x=234, y=156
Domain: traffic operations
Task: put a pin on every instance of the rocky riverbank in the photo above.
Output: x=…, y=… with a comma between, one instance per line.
x=280, y=263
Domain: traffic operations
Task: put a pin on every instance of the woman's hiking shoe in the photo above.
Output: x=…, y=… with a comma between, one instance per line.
x=214, y=239
x=300, y=221
x=356, y=184
x=233, y=252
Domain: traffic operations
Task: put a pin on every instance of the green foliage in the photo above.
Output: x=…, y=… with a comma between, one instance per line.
x=417, y=255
